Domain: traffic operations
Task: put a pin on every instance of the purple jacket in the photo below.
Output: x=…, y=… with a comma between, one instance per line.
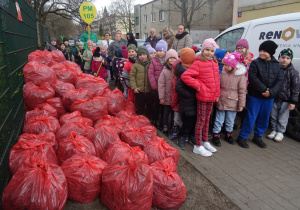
x=155, y=69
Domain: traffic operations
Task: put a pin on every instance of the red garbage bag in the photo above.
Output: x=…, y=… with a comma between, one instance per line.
x=137, y=136
x=36, y=95
x=113, y=122
x=125, y=115
x=43, y=57
x=118, y=153
x=95, y=85
x=72, y=145
x=52, y=63
x=72, y=95
x=169, y=189
x=36, y=185
x=23, y=150
x=93, y=109
x=138, y=121
x=42, y=137
x=45, y=109
x=57, y=104
x=71, y=66
x=102, y=137
x=128, y=186
x=58, y=56
x=75, y=117
x=38, y=74
x=41, y=124
x=158, y=149
x=115, y=101
x=130, y=107
x=79, y=128
x=61, y=88
x=64, y=74
x=83, y=173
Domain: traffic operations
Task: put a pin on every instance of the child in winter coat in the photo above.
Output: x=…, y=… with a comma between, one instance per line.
x=124, y=75
x=232, y=99
x=140, y=84
x=64, y=51
x=127, y=68
x=118, y=66
x=156, y=66
x=98, y=66
x=78, y=57
x=152, y=52
x=265, y=82
x=106, y=56
x=220, y=54
x=165, y=89
x=242, y=47
x=87, y=57
x=287, y=98
x=187, y=99
x=203, y=76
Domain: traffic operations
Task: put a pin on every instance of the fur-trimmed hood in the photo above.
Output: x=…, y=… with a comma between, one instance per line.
x=241, y=70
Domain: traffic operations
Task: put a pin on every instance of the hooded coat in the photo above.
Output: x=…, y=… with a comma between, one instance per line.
x=233, y=89
x=165, y=85
x=155, y=69
x=139, y=77
x=131, y=40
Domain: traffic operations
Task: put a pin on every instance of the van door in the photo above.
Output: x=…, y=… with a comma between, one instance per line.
x=228, y=40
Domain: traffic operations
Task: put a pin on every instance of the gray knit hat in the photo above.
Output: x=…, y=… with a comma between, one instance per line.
x=131, y=47
x=142, y=50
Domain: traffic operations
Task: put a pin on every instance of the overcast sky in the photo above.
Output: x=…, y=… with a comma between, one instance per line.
x=102, y=3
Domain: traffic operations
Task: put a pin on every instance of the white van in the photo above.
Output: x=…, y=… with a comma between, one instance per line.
x=282, y=29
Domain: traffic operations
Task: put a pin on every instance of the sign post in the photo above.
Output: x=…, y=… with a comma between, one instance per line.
x=88, y=13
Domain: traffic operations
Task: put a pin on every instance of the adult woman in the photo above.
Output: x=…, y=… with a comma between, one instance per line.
x=168, y=36
x=131, y=39
x=182, y=39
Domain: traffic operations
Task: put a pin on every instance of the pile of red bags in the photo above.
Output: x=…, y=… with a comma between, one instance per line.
x=82, y=140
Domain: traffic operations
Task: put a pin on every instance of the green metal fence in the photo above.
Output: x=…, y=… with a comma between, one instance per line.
x=17, y=40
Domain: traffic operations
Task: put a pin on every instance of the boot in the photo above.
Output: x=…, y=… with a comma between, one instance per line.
x=165, y=130
x=216, y=139
x=181, y=143
x=192, y=140
x=174, y=133
x=242, y=142
x=259, y=142
x=228, y=137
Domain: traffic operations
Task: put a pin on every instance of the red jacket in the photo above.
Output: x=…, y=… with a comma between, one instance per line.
x=128, y=65
x=174, y=94
x=154, y=71
x=203, y=75
x=95, y=66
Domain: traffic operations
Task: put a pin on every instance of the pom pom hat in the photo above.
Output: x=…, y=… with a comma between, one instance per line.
x=124, y=52
x=232, y=59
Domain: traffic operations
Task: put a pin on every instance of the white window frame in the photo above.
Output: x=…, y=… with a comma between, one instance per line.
x=162, y=15
x=145, y=36
x=153, y=17
x=145, y=19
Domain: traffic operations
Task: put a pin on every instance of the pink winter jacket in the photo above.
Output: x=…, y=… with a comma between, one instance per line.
x=233, y=89
x=155, y=69
x=203, y=75
x=165, y=85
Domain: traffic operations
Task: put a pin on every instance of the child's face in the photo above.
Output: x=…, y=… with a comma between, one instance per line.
x=171, y=61
x=264, y=55
x=285, y=60
x=241, y=50
x=152, y=55
x=62, y=47
x=66, y=43
x=103, y=50
x=160, y=53
x=208, y=52
x=90, y=46
x=132, y=54
x=143, y=57
x=53, y=43
x=227, y=68
x=81, y=47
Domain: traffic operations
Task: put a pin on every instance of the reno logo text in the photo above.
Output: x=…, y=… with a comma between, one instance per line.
x=286, y=35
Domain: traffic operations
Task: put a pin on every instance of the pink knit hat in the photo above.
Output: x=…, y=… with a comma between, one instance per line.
x=209, y=43
x=232, y=59
x=124, y=52
x=171, y=54
x=242, y=43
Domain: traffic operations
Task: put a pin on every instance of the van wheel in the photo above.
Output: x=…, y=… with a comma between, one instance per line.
x=293, y=127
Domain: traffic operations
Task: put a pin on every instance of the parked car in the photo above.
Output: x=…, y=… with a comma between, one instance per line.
x=71, y=43
x=282, y=29
x=140, y=42
x=198, y=45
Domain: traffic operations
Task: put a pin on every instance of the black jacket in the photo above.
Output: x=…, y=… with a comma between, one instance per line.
x=291, y=87
x=187, y=94
x=131, y=40
x=264, y=74
x=154, y=42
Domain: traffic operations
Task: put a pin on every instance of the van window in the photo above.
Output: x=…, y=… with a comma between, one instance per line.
x=228, y=40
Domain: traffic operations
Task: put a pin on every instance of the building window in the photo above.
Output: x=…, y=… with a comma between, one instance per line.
x=145, y=36
x=161, y=15
x=136, y=21
x=145, y=19
x=153, y=17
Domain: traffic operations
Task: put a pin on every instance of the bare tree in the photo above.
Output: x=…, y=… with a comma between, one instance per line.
x=187, y=8
x=124, y=13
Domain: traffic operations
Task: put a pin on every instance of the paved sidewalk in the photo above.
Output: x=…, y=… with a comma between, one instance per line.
x=253, y=178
